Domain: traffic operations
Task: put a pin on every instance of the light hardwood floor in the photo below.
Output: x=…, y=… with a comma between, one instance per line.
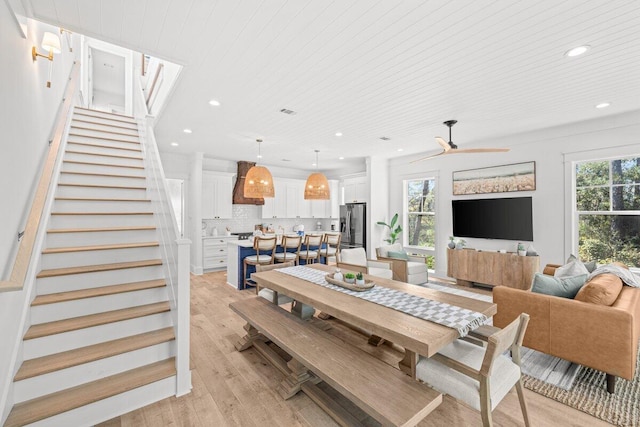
x=238, y=389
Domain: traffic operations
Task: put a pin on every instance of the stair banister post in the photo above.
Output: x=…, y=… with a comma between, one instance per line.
x=183, y=382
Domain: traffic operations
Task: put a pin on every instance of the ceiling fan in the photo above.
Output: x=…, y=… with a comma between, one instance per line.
x=451, y=148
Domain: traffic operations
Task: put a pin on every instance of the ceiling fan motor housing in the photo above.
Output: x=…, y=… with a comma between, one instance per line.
x=449, y=124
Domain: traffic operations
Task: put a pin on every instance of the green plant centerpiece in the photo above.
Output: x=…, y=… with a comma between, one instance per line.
x=349, y=277
x=394, y=229
x=461, y=244
x=359, y=279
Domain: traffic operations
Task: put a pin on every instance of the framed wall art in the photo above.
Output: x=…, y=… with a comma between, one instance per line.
x=495, y=179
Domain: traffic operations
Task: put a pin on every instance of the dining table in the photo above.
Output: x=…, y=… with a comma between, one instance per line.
x=416, y=335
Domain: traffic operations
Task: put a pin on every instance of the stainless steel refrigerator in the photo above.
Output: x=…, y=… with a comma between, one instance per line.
x=353, y=225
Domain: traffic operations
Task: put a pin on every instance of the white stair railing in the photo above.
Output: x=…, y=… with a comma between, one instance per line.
x=175, y=250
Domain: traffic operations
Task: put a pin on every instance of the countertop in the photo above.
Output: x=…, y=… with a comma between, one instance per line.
x=218, y=237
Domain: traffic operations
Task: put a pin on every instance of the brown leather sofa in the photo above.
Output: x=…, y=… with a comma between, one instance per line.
x=600, y=337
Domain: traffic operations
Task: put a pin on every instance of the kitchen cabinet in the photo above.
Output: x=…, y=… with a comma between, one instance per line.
x=327, y=208
x=216, y=195
x=289, y=201
x=276, y=207
x=356, y=190
x=214, y=251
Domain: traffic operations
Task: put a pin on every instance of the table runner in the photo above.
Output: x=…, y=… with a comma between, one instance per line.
x=461, y=319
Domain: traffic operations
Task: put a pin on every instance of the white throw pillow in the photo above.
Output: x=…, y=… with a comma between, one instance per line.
x=572, y=268
x=384, y=249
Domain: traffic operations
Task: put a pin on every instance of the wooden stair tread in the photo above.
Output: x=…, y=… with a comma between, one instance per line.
x=103, y=199
x=83, y=120
x=101, y=229
x=97, y=268
x=103, y=155
x=133, y=134
x=82, y=322
x=100, y=247
x=103, y=112
x=66, y=400
x=101, y=213
x=100, y=114
x=126, y=187
x=110, y=175
x=77, y=162
x=87, y=144
x=97, y=292
x=55, y=362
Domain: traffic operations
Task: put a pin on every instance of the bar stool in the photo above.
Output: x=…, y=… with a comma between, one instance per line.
x=265, y=248
x=288, y=243
x=331, y=243
x=310, y=254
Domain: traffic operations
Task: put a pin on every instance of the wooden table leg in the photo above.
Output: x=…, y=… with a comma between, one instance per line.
x=291, y=384
x=375, y=340
x=324, y=316
x=303, y=311
x=248, y=340
x=408, y=363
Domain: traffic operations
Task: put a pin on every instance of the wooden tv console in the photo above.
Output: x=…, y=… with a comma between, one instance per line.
x=469, y=266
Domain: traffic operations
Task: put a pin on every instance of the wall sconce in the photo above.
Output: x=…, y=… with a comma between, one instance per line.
x=50, y=43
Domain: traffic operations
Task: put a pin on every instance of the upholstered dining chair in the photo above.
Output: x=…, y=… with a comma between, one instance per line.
x=290, y=249
x=355, y=259
x=310, y=252
x=406, y=268
x=479, y=376
x=270, y=294
x=265, y=248
x=331, y=246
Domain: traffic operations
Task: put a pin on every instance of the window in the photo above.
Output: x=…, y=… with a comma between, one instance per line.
x=420, y=218
x=607, y=210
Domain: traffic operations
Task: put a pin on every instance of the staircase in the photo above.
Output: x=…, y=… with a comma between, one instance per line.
x=101, y=338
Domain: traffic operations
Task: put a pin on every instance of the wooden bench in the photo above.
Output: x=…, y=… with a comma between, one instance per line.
x=383, y=392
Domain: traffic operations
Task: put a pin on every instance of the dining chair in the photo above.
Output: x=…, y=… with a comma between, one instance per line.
x=310, y=254
x=330, y=247
x=265, y=248
x=479, y=376
x=355, y=259
x=269, y=294
x=289, y=244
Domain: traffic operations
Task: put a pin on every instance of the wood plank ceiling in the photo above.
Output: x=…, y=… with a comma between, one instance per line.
x=370, y=69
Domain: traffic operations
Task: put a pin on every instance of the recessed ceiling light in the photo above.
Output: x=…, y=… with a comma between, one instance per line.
x=577, y=51
x=259, y=156
x=338, y=133
x=313, y=164
x=187, y=131
x=400, y=149
x=340, y=158
x=174, y=144
x=603, y=105
x=214, y=103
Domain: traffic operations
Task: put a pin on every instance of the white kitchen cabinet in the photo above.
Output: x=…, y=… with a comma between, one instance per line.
x=216, y=195
x=356, y=190
x=214, y=251
x=276, y=207
x=289, y=201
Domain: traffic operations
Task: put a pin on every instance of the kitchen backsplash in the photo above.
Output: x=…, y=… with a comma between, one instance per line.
x=245, y=217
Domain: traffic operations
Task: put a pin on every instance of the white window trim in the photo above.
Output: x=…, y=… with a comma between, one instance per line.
x=425, y=250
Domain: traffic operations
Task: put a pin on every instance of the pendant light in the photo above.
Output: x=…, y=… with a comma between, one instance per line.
x=317, y=186
x=259, y=182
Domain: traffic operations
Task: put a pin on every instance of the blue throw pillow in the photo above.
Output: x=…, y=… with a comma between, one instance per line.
x=398, y=255
x=565, y=287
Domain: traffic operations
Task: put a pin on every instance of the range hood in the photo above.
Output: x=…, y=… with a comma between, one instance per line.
x=238, y=189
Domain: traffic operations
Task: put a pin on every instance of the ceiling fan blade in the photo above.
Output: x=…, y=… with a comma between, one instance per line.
x=477, y=150
x=428, y=157
x=444, y=144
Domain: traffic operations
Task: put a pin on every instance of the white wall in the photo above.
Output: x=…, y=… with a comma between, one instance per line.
x=548, y=149
x=378, y=209
x=27, y=114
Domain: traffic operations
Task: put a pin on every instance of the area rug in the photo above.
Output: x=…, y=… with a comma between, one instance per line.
x=589, y=390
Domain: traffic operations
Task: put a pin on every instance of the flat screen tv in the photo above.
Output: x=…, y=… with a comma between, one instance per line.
x=505, y=219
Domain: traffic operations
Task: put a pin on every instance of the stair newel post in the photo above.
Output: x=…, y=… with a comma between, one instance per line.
x=183, y=382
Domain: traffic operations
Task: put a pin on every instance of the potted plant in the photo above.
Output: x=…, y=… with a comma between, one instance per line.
x=359, y=279
x=394, y=229
x=460, y=244
x=349, y=277
x=521, y=250
x=452, y=242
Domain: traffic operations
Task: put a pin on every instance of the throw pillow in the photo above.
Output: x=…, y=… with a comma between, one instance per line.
x=565, y=287
x=602, y=289
x=383, y=250
x=591, y=265
x=573, y=267
x=398, y=255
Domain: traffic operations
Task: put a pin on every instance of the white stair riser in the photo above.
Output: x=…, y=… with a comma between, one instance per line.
x=114, y=170
x=32, y=388
x=81, y=156
x=61, y=240
x=74, y=282
x=127, y=148
x=129, y=143
x=72, y=178
x=86, y=124
x=93, y=149
x=100, y=192
x=86, y=306
x=101, y=206
x=106, y=132
x=83, y=221
x=84, y=119
x=106, y=409
x=104, y=115
x=76, y=259
x=52, y=344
